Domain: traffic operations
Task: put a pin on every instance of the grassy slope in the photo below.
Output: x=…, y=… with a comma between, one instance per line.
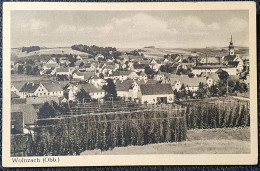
x=212, y=141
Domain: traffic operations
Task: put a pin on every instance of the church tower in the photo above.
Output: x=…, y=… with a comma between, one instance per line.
x=231, y=50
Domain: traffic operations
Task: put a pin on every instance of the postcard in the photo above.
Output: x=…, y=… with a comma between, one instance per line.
x=120, y=84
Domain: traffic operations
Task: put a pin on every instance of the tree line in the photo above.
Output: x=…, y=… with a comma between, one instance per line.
x=30, y=49
x=94, y=50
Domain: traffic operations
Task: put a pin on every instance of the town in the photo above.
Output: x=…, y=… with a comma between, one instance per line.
x=49, y=86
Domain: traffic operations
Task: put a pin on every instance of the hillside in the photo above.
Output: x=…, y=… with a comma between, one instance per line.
x=17, y=53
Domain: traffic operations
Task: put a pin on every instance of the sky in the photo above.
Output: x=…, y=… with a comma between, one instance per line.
x=130, y=29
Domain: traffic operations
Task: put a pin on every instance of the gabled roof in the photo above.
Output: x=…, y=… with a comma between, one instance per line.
x=192, y=82
x=156, y=89
x=52, y=87
x=140, y=66
x=18, y=85
x=122, y=73
x=88, y=75
x=28, y=110
x=233, y=63
x=90, y=88
x=213, y=76
x=62, y=70
x=30, y=87
x=78, y=62
x=142, y=73
x=229, y=57
x=126, y=84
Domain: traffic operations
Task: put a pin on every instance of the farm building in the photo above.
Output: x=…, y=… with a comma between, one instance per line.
x=156, y=93
x=128, y=89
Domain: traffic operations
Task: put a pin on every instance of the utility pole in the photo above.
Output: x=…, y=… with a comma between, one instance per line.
x=227, y=87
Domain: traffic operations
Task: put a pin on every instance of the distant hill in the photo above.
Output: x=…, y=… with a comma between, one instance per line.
x=149, y=47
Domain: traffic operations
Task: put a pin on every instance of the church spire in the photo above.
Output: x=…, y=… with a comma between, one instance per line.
x=231, y=39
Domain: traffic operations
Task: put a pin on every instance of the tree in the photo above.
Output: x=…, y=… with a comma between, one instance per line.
x=213, y=90
x=191, y=75
x=101, y=75
x=81, y=64
x=223, y=75
x=83, y=96
x=20, y=69
x=202, y=91
x=47, y=111
x=148, y=71
x=110, y=89
x=28, y=69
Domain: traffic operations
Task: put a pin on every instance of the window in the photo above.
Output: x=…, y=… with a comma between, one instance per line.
x=44, y=94
x=40, y=94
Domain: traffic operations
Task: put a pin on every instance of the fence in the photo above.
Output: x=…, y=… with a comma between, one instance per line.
x=73, y=134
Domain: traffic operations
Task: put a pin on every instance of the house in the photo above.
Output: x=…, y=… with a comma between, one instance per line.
x=212, y=79
x=64, y=61
x=79, y=63
x=90, y=67
x=63, y=71
x=99, y=57
x=139, y=67
x=239, y=65
x=27, y=112
x=159, y=76
x=40, y=90
x=78, y=75
x=128, y=89
x=96, y=81
x=16, y=87
x=53, y=89
x=51, y=63
x=210, y=60
x=191, y=84
x=33, y=89
x=142, y=75
x=94, y=92
x=156, y=93
x=108, y=69
x=213, y=69
x=17, y=124
x=84, y=76
x=155, y=66
x=124, y=75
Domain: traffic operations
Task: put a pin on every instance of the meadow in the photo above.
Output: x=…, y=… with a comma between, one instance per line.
x=199, y=141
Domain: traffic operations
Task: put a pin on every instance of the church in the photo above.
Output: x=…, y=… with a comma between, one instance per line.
x=232, y=58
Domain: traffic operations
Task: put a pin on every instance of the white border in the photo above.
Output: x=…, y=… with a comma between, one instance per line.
x=116, y=160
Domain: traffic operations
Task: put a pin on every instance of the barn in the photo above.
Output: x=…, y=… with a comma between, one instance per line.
x=156, y=93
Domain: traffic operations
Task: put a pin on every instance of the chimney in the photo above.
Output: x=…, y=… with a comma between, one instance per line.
x=219, y=60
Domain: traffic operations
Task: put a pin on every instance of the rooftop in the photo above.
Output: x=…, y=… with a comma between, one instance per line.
x=156, y=89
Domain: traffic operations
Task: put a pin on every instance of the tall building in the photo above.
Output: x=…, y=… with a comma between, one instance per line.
x=231, y=50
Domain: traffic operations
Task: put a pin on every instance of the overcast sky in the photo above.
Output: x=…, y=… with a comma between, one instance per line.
x=129, y=29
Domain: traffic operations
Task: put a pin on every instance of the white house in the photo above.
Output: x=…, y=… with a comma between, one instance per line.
x=156, y=93
x=99, y=57
x=98, y=82
x=124, y=75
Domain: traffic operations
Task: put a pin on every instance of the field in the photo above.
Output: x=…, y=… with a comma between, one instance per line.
x=158, y=53
x=204, y=141
x=28, y=78
x=17, y=53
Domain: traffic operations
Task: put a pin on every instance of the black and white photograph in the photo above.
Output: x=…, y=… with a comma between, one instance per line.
x=135, y=82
